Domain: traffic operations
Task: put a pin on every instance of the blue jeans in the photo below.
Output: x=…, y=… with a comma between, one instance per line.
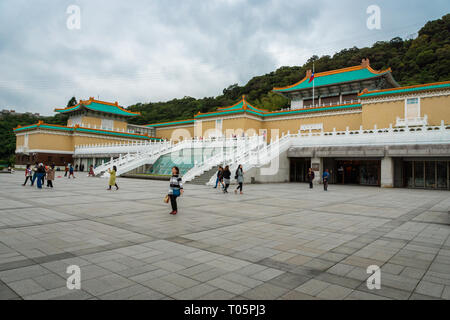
x=217, y=182
x=39, y=179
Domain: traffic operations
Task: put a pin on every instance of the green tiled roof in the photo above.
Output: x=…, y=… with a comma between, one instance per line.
x=86, y=130
x=406, y=90
x=330, y=78
x=99, y=106
x=170, y=123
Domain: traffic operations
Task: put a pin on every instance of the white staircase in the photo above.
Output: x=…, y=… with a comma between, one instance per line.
x=242, y=145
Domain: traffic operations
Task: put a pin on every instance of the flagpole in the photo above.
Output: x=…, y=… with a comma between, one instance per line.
x=314, y=79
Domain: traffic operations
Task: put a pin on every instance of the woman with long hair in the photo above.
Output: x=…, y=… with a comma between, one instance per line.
x=175, y=189
x=112, y=178
x=240, y=178
x=226, y=178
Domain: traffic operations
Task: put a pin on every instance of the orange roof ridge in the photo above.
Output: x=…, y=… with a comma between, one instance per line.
x=365, y=91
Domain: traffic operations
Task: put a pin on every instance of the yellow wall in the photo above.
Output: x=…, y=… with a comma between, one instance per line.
x=382, y=114
x=121, y=125
x=20, y=141
x=45, y=141
x=166, y=133
x=436, y=108
x=92, y=121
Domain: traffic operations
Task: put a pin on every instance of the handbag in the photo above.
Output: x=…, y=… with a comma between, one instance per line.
x=176, y=192
x=166, y=198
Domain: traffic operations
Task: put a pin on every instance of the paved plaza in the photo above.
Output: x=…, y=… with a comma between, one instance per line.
x=277, y=241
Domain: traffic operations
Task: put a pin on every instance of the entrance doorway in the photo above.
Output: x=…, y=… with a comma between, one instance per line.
x=363, y=172
x=427, y=174
x=298, y=169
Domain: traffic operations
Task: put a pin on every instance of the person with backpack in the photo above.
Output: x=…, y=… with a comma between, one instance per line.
x=71, y=171
x=325, y=178
x=175, y=189
x=226, y=178
x=112, y=178
x=310, y=177
x=219, y=176
x=40, y=174
x=34, y=170
x=50, y=175
x=239, y=176
x=28, y=175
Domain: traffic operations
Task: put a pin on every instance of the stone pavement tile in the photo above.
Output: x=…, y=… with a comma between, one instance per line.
x=150, y=295
x=179, y=280
x=265, y=291
x=146, y=276
x=25, y=287
x=341, y=269
x=195, y=270
x=417, y=296
x=209, y=274
x=289, y=280
x=218, y=295
x=298, y=260
x=194, y=292
x=22, y=273
x=102, y=285
x=412, y=273
x=6, y=293
x=337, y=280
x=360, y=295
x=386, y=292
x=358, y=274
x=267, y=274
x=251, y=269
x=240, y=279
x=334, y=292
x=161, y=286
x=169, y=266
x=345, y=250
x=60, y=293
x=399, y=282
x=333, y=256
x=51, y=281
x=319, y=264
x=125, y=293
x=295, y=295
x=130, y=272
x=228, y=285
x=446, y=293
x=313, y=287
x=430, y=289
x=392, y=268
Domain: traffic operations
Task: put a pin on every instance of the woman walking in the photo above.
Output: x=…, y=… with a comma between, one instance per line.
x=226, y=178
x=40, y=174
x=175, y=189
x=311, y=177
x=112, y=178
x=240, y=178
x=91, y=171
x=50, y=176
x=28, y=175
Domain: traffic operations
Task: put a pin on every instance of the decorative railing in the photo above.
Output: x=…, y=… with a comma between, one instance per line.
x=418, y=121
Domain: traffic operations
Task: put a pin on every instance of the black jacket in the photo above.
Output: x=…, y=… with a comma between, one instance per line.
x=227, y=174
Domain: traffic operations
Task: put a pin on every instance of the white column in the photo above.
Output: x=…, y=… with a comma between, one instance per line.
x=317, y=164
x=387, y=172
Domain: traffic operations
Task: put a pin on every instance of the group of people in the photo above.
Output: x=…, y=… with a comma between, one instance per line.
x=69, y=169
x=224, y=178
x=325, y=178
x=39, y=173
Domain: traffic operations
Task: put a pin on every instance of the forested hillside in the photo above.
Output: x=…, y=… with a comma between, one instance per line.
x=414, y=61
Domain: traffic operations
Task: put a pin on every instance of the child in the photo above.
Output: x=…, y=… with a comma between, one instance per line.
x=176, y=189
x=50, y=175
x=112, y=178
x=28, y=175
x=91, y=171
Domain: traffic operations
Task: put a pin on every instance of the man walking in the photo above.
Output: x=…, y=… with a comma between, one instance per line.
x=310, y=177
x=325, y=177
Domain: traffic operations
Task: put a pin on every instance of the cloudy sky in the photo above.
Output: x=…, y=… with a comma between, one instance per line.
x=155, y=50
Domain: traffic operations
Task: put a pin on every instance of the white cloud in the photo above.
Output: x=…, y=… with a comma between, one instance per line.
x=144, y=51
